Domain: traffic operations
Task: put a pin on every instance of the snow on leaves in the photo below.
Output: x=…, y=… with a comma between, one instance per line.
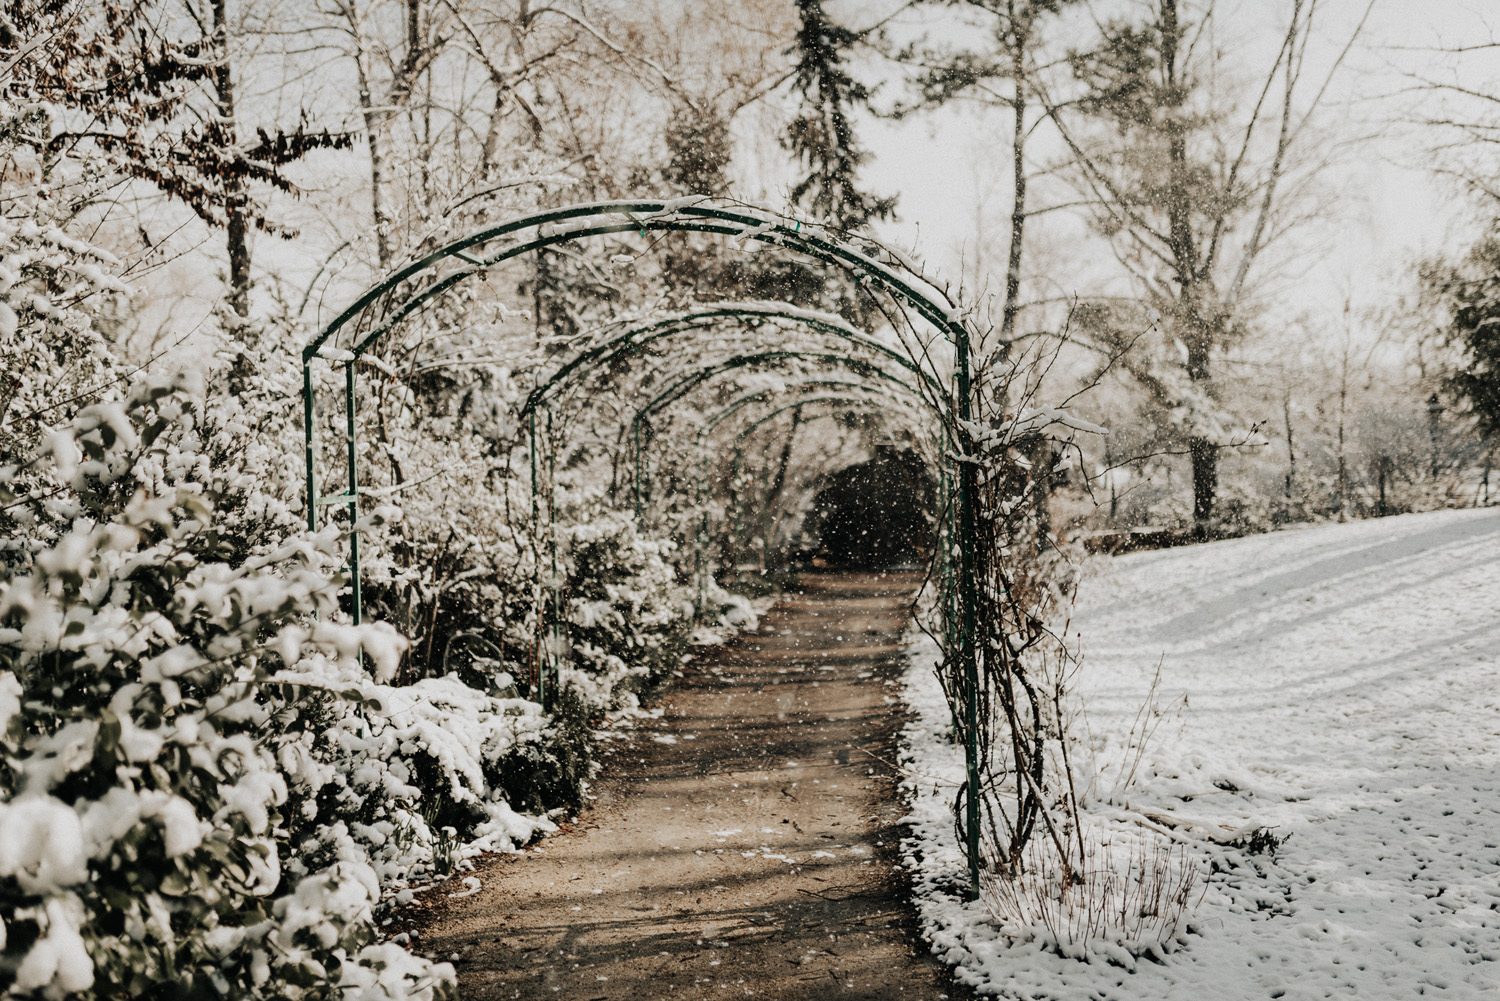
x=143, y=833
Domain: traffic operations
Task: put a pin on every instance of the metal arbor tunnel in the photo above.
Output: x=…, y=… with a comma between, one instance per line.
x=936, y=362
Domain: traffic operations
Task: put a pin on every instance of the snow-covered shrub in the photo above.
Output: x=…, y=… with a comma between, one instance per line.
x=142, y=833
x=384, y=773
x=727, y=612
x=54, y=359
x=628, y=617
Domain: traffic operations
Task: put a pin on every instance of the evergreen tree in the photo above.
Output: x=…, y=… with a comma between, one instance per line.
x=1188, y=192
x=821, y=135
x=1469, y=292
x=124, y=89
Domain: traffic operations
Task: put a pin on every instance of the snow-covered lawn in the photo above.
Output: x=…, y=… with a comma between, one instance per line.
x=1343, y=687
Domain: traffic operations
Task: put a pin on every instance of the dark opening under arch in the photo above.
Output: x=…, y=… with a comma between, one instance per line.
x=876, y=514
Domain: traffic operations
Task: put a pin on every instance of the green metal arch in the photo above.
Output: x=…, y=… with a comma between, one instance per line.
x=692, y=214
x=753, y=426
x=687, y=384
x=697, y=377
x=734, y=406
x=855, y=402
x=850, y=403
x=637, y=337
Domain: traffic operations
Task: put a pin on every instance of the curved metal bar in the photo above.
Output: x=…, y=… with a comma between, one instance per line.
x=737, y=405
x=688, y=383
x=702, y=563
x=759, y=422
x=734, y=406
x=646, y=215
x=852, y=403
x=637, y=337
x=693, y=379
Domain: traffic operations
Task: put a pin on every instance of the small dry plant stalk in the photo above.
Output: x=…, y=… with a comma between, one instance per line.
x=1129, y=898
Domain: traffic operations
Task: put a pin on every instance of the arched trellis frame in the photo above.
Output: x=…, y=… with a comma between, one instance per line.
x=921, y=388
x=687, y=383
x=605, y=352
x=601, y=356
x=636, y=338
x=944, y=522
x=402, y=294
x=850, y=396
x=855, y=391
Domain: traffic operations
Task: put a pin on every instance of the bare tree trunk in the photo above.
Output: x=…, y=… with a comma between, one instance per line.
x=377, y=114
x=1489, y=462
x=374, y=121
x=237, y=229
x=1343, y=461
x=1205, y=459
x=1044, y=457
x=1018, y=171
x=1203, y=453
x=1291, y=447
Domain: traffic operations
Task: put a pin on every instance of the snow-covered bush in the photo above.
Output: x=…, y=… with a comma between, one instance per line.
x=142, y=828
x=51, y=286
x=629, y=619
x=385, y=773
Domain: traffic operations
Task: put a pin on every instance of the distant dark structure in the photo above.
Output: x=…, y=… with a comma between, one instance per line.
x=876, y=514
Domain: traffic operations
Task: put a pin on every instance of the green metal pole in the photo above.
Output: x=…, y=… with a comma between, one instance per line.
x=636, y=436
x=739, y=504
x=642, y=462
x=968, y=649
x=558, y=625
x=536, y=548
x=946, y=588
x=702, y=537
x=353, y=498
x=307, y=437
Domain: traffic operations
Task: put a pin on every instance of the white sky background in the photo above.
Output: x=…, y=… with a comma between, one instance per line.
x=1385, y=206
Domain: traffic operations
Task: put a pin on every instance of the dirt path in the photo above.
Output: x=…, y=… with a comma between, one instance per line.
x=746, y=847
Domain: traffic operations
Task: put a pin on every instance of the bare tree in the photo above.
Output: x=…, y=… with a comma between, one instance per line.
x=1001, y=72
x=1189, y=195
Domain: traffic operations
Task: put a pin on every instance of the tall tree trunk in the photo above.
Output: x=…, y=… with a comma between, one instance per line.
x=1291, y=448
x=374, y=121
x=376, y=116
x=1197, y=330
x=236, y=205
x=1018, y=172
x=1342, y=459
x=1205, y=457
x=1203, y=452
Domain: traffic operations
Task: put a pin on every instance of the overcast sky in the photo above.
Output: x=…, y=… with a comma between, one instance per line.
x=1384, y=205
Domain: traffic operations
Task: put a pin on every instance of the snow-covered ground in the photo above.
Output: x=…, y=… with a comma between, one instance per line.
x=1342, y=686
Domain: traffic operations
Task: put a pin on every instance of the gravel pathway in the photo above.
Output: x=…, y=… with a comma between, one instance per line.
x=745, y=845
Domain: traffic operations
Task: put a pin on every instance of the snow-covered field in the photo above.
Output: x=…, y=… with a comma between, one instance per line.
x=1342, y=686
